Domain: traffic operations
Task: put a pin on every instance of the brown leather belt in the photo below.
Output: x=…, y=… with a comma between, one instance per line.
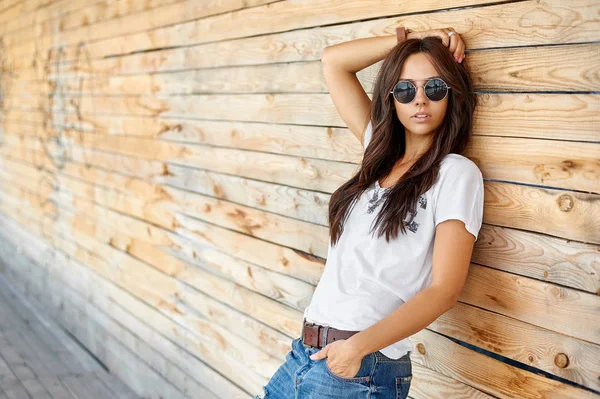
x=317, y=336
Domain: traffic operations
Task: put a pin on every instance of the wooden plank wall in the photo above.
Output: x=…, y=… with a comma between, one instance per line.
x=166, y=166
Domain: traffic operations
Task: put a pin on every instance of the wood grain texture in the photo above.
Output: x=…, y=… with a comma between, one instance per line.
x=65, y=228
x=428, y=345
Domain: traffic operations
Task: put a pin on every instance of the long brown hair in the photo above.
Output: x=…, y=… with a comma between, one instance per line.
x=387, y=143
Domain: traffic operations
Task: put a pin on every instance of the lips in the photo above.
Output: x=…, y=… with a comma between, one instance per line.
x=421, y=117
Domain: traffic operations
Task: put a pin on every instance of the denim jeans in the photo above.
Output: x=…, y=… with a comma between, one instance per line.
x=299, y=377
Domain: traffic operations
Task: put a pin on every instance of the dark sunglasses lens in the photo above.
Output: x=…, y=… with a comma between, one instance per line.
x=404, y=92
x=436, y=89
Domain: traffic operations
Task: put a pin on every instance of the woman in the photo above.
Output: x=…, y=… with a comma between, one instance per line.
x=385, y=280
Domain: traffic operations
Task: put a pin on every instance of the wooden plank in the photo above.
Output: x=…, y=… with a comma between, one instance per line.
x=212, y=350
x=75, y=385
x=558, y=164
x=544, y=258
x=146, y=249
x=259, y=21
x=542, y=116
x=117, y=386
x=49, y=358
x=45, y=363
x=30, y=13
x=108, y=20
x=60, y=365
x=151, y=356
x=520, y=68
x=28, y=354
x=26, y=334
x=199, y=369
x=573, y=213
x=466, y=388
x=69, y=351
x=259, y=252
x=8, y=318
x=222, y=22
x=182, y=106
x=56, y=389
x=504, y=297
x=6, y=373
x=139, y=346
x=113, y=354
x=65, y=361
x=479, y=295
x=89, y=385
x=95, y=387
x=497, y=386
x=35, y=389
x=13, y=9
x=60, y=17
x=11, y=358
x=14, y=389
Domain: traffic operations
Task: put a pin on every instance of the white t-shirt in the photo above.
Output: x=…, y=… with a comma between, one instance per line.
x=365, y=278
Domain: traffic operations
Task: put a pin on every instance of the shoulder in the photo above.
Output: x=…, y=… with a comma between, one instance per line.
x=458, y=172
x=456, y=163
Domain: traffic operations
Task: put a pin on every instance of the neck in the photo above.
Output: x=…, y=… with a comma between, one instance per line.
x=416, y=145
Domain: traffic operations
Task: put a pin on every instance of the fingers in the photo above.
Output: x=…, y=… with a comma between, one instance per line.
x=320, y=354
x=459, y=53
x=455, y=44
x=450, y=41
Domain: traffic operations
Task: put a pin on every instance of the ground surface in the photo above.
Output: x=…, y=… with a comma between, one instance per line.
x=40, y=360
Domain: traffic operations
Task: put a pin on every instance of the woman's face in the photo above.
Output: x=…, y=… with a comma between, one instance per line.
x=418, y=68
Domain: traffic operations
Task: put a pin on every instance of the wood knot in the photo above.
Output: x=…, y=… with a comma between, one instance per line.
x=561, y=360
x=421, y=348
x=565, y=202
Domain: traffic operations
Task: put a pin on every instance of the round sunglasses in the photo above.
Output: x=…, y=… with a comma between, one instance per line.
x=405, y=91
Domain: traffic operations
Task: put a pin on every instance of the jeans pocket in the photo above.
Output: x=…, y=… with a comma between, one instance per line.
x=381, y=358
x=362, y=376
x=403, y=386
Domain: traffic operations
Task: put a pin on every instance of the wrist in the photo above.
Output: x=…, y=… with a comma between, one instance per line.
x=358, y=346
x=403, y=34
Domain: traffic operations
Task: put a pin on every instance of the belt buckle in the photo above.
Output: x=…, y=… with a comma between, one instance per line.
x=304, y=323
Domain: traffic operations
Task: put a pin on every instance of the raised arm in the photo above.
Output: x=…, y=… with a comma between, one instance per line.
x=340, y=63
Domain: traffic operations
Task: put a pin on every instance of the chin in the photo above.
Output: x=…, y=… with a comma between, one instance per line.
x=422, y=128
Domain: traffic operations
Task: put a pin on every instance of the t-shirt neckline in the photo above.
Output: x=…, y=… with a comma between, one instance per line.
x=379, y=187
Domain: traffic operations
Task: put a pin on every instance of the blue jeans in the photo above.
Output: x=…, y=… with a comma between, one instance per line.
x=299, y=377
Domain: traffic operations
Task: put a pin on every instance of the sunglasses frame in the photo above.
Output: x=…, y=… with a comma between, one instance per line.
x=417, y=88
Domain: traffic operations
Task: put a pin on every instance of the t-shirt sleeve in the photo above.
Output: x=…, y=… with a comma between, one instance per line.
x=367, y=136
x=459, y=195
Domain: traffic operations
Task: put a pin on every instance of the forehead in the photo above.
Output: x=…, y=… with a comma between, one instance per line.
x=418, y=67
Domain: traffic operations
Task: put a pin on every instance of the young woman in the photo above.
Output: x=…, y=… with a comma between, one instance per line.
x=402, y=229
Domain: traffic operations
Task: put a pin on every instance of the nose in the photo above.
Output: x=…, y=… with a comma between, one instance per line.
x=420, y=97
